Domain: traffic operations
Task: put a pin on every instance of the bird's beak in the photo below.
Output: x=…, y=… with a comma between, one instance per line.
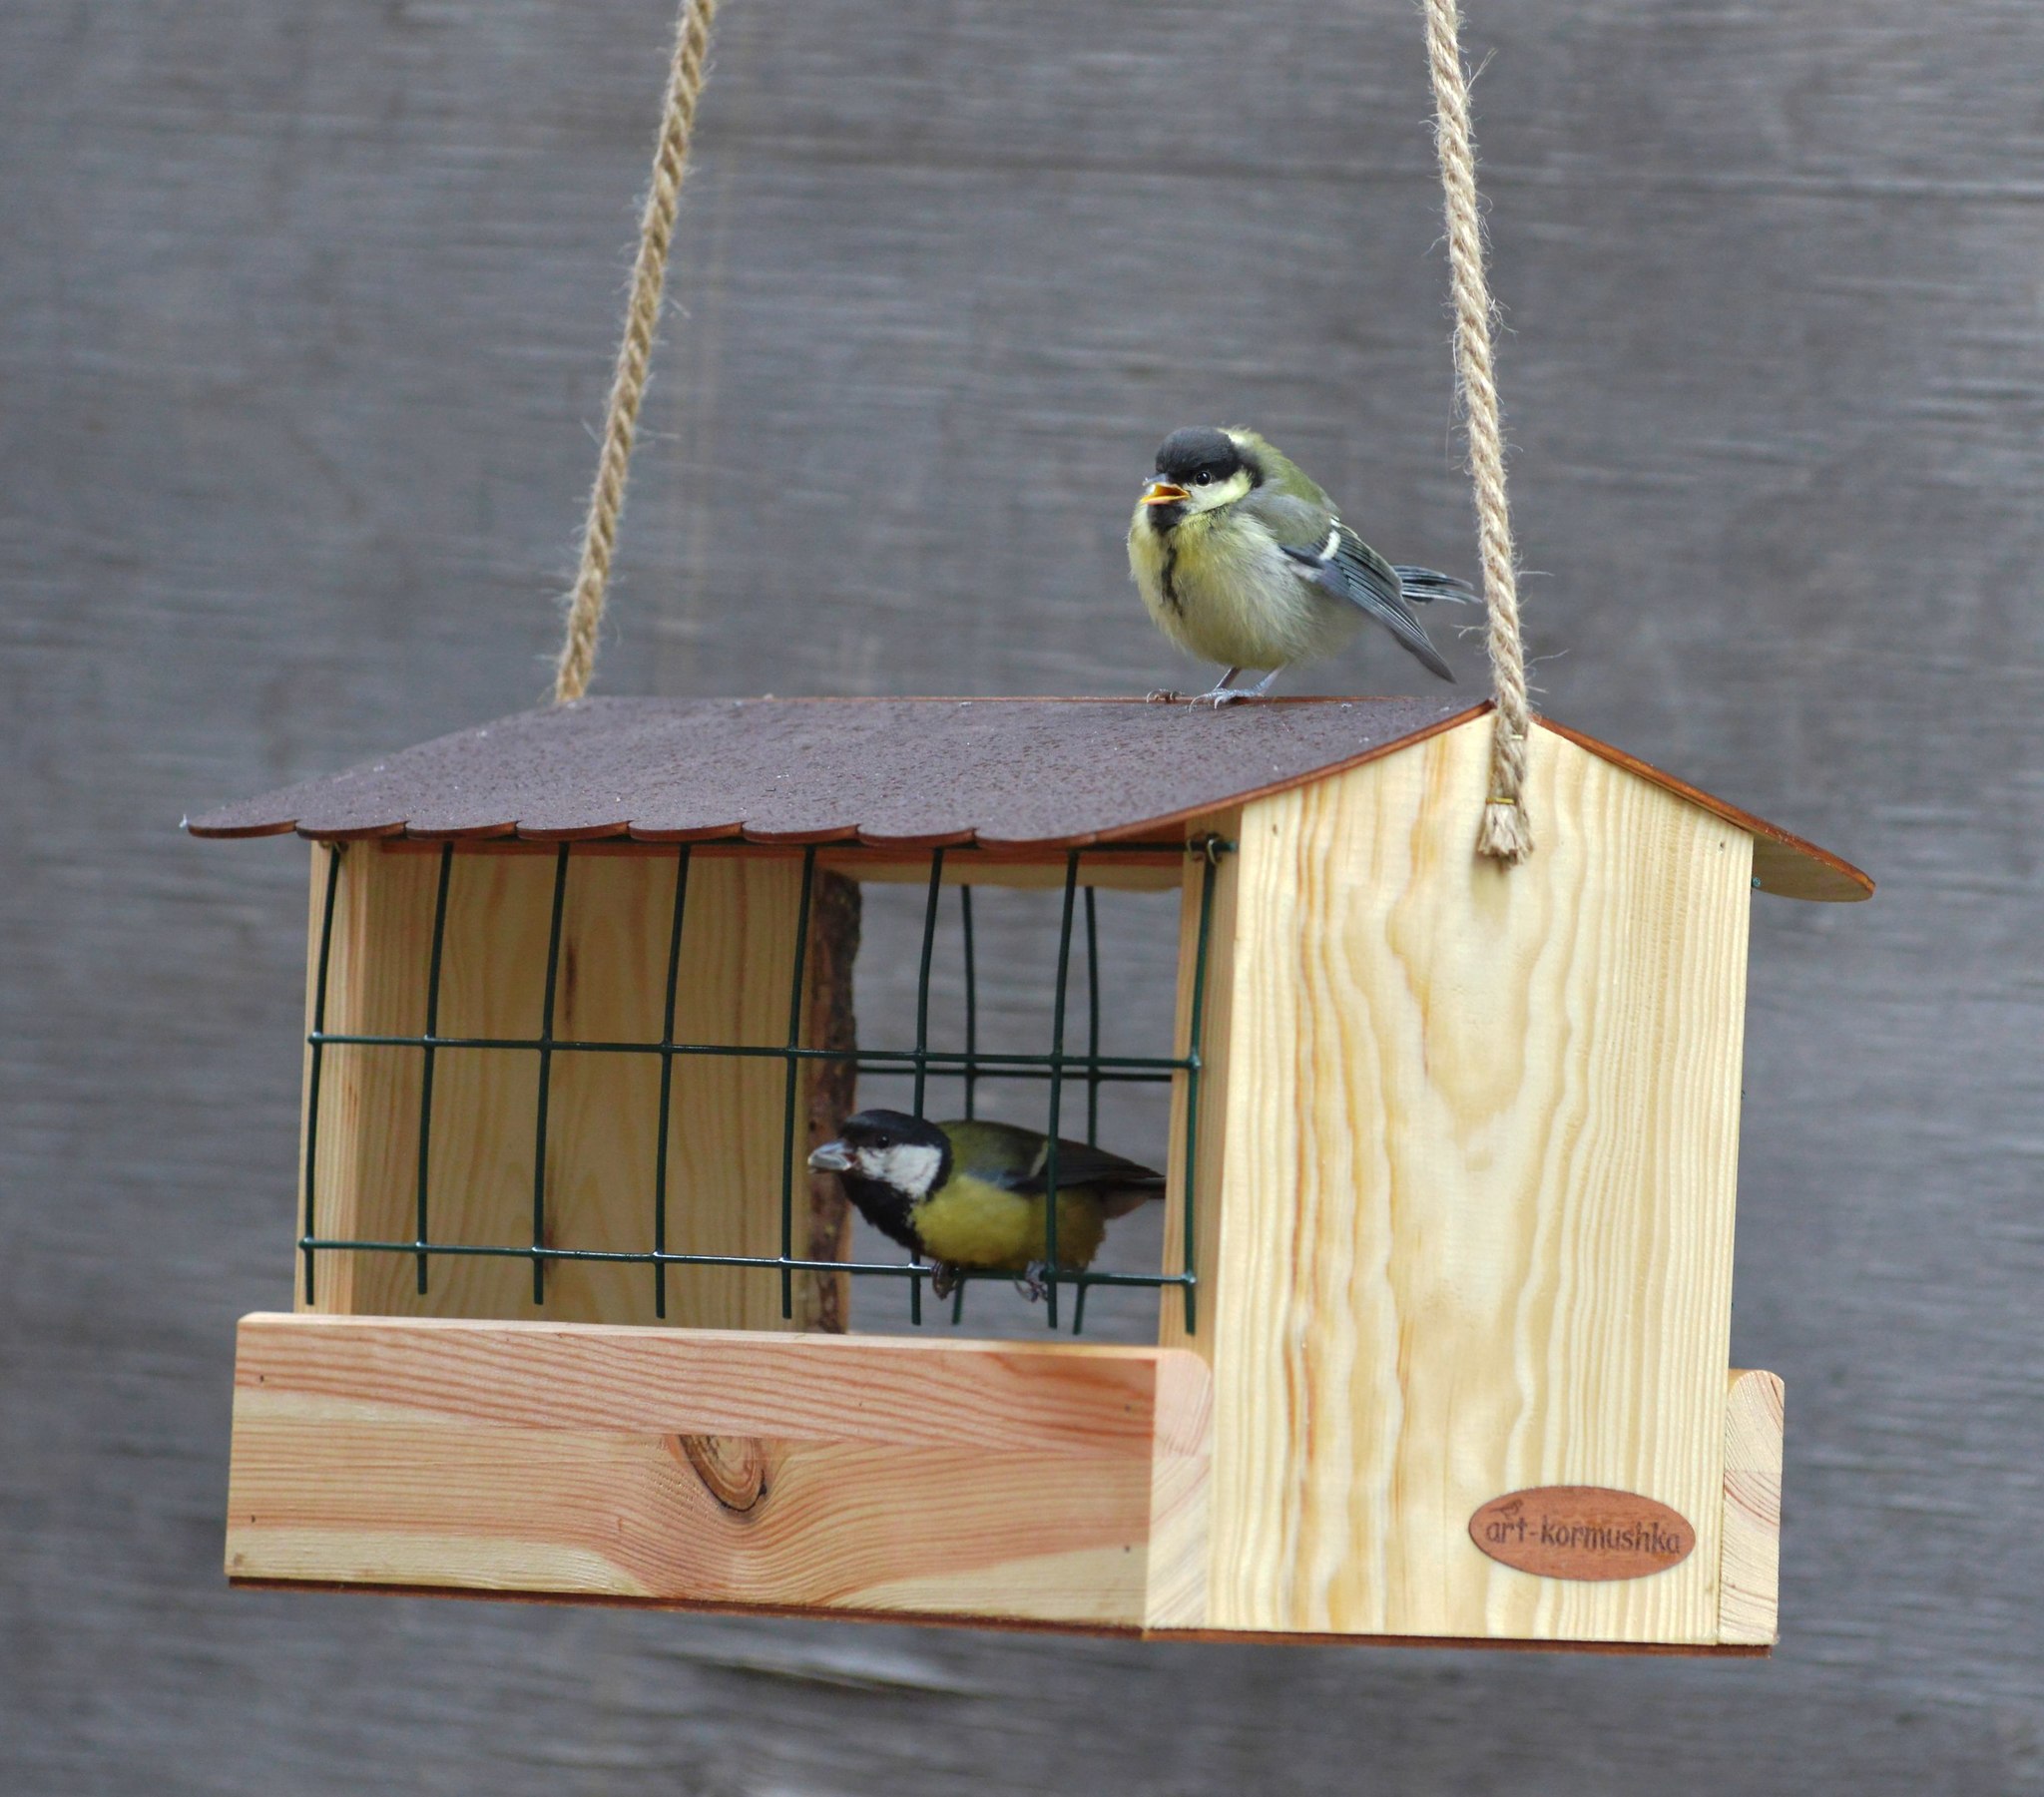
x=831, y=1158
x=1163, y=493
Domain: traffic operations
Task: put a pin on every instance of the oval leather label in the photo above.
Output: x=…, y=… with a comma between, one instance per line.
x=1582, y=1532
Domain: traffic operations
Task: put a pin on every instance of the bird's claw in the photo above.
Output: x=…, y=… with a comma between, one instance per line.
x=1162, y=696
x=943, y=1281
x=1225, y=696
x=1029, y=1282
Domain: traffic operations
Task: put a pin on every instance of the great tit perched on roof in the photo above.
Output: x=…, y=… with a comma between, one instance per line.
x=970, y=1195
x=1242, y=559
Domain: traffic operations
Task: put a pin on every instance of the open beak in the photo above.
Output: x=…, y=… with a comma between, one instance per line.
x=831, y=1158
x=1163, y=493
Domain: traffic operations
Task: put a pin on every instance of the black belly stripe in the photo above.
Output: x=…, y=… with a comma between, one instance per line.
x=1169, y=582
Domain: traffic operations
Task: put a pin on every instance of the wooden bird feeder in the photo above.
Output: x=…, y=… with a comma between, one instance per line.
x=1445, y=1290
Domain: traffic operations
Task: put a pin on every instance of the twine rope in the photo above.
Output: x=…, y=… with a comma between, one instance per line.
x=635, y=352
x=1505, y=835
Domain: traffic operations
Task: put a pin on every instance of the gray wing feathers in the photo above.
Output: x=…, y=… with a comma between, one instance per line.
x=1377, y=587
x=1121, y=1185
x=1344, y=567
x=1299, y=525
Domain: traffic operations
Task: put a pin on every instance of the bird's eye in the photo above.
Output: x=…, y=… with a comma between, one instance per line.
x=1202, y=479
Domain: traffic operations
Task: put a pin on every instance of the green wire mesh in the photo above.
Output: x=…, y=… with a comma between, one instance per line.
x=1056, y=1066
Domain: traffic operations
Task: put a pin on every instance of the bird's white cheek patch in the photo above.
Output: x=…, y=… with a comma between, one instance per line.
x=1234, y=489
x=910, y=1168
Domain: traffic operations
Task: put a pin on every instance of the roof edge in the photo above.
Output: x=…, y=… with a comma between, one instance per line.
x=1787, y=865
x=1375, y=753
x=1784, y=863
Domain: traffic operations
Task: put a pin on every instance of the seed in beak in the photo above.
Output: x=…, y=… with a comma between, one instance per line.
x=831, y=1158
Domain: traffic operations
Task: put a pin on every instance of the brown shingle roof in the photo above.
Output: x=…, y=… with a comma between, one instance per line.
x=906, y=772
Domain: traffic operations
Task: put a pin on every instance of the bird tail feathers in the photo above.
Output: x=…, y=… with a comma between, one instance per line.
x=1424, y=584
x=1120, y=1200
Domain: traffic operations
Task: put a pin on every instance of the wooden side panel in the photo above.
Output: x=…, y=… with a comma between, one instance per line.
x=1013, y=1481
x=725, y=1139
x=1479, y=1170
x=1749, y=1586
x=368, y=1096
x=1215, y=1033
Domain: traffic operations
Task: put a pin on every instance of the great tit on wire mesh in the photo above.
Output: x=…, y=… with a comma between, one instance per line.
x=1242, y=559
x=969, y=1195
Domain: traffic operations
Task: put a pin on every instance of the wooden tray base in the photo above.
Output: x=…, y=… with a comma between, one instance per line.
x=995, y=1484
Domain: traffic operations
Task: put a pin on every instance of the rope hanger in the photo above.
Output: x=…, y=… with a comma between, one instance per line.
x=1506, y=834
x=634, y=354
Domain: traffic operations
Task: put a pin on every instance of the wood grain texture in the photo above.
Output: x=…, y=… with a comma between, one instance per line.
x=1182, y=1462
x=1749, y=1607
x=1007, y=1480
x=305, y=314
x=724, y=1143
x=1479, y=1173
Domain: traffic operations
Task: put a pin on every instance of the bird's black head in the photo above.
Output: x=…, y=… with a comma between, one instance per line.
x=1199, y=456
x=890, y=1162
x=1198, y=469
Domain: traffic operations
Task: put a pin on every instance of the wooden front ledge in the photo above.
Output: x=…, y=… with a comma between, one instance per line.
x=994, y=1479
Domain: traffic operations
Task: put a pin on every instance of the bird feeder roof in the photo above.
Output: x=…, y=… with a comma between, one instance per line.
x=917, y=773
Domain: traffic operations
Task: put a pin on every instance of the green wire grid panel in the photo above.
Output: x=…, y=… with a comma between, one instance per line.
x=1057, y=1065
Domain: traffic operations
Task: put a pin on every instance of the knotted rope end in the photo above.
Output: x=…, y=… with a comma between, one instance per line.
x=1506, y=834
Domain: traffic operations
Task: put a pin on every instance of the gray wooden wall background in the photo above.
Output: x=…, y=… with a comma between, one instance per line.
x=305, y=315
